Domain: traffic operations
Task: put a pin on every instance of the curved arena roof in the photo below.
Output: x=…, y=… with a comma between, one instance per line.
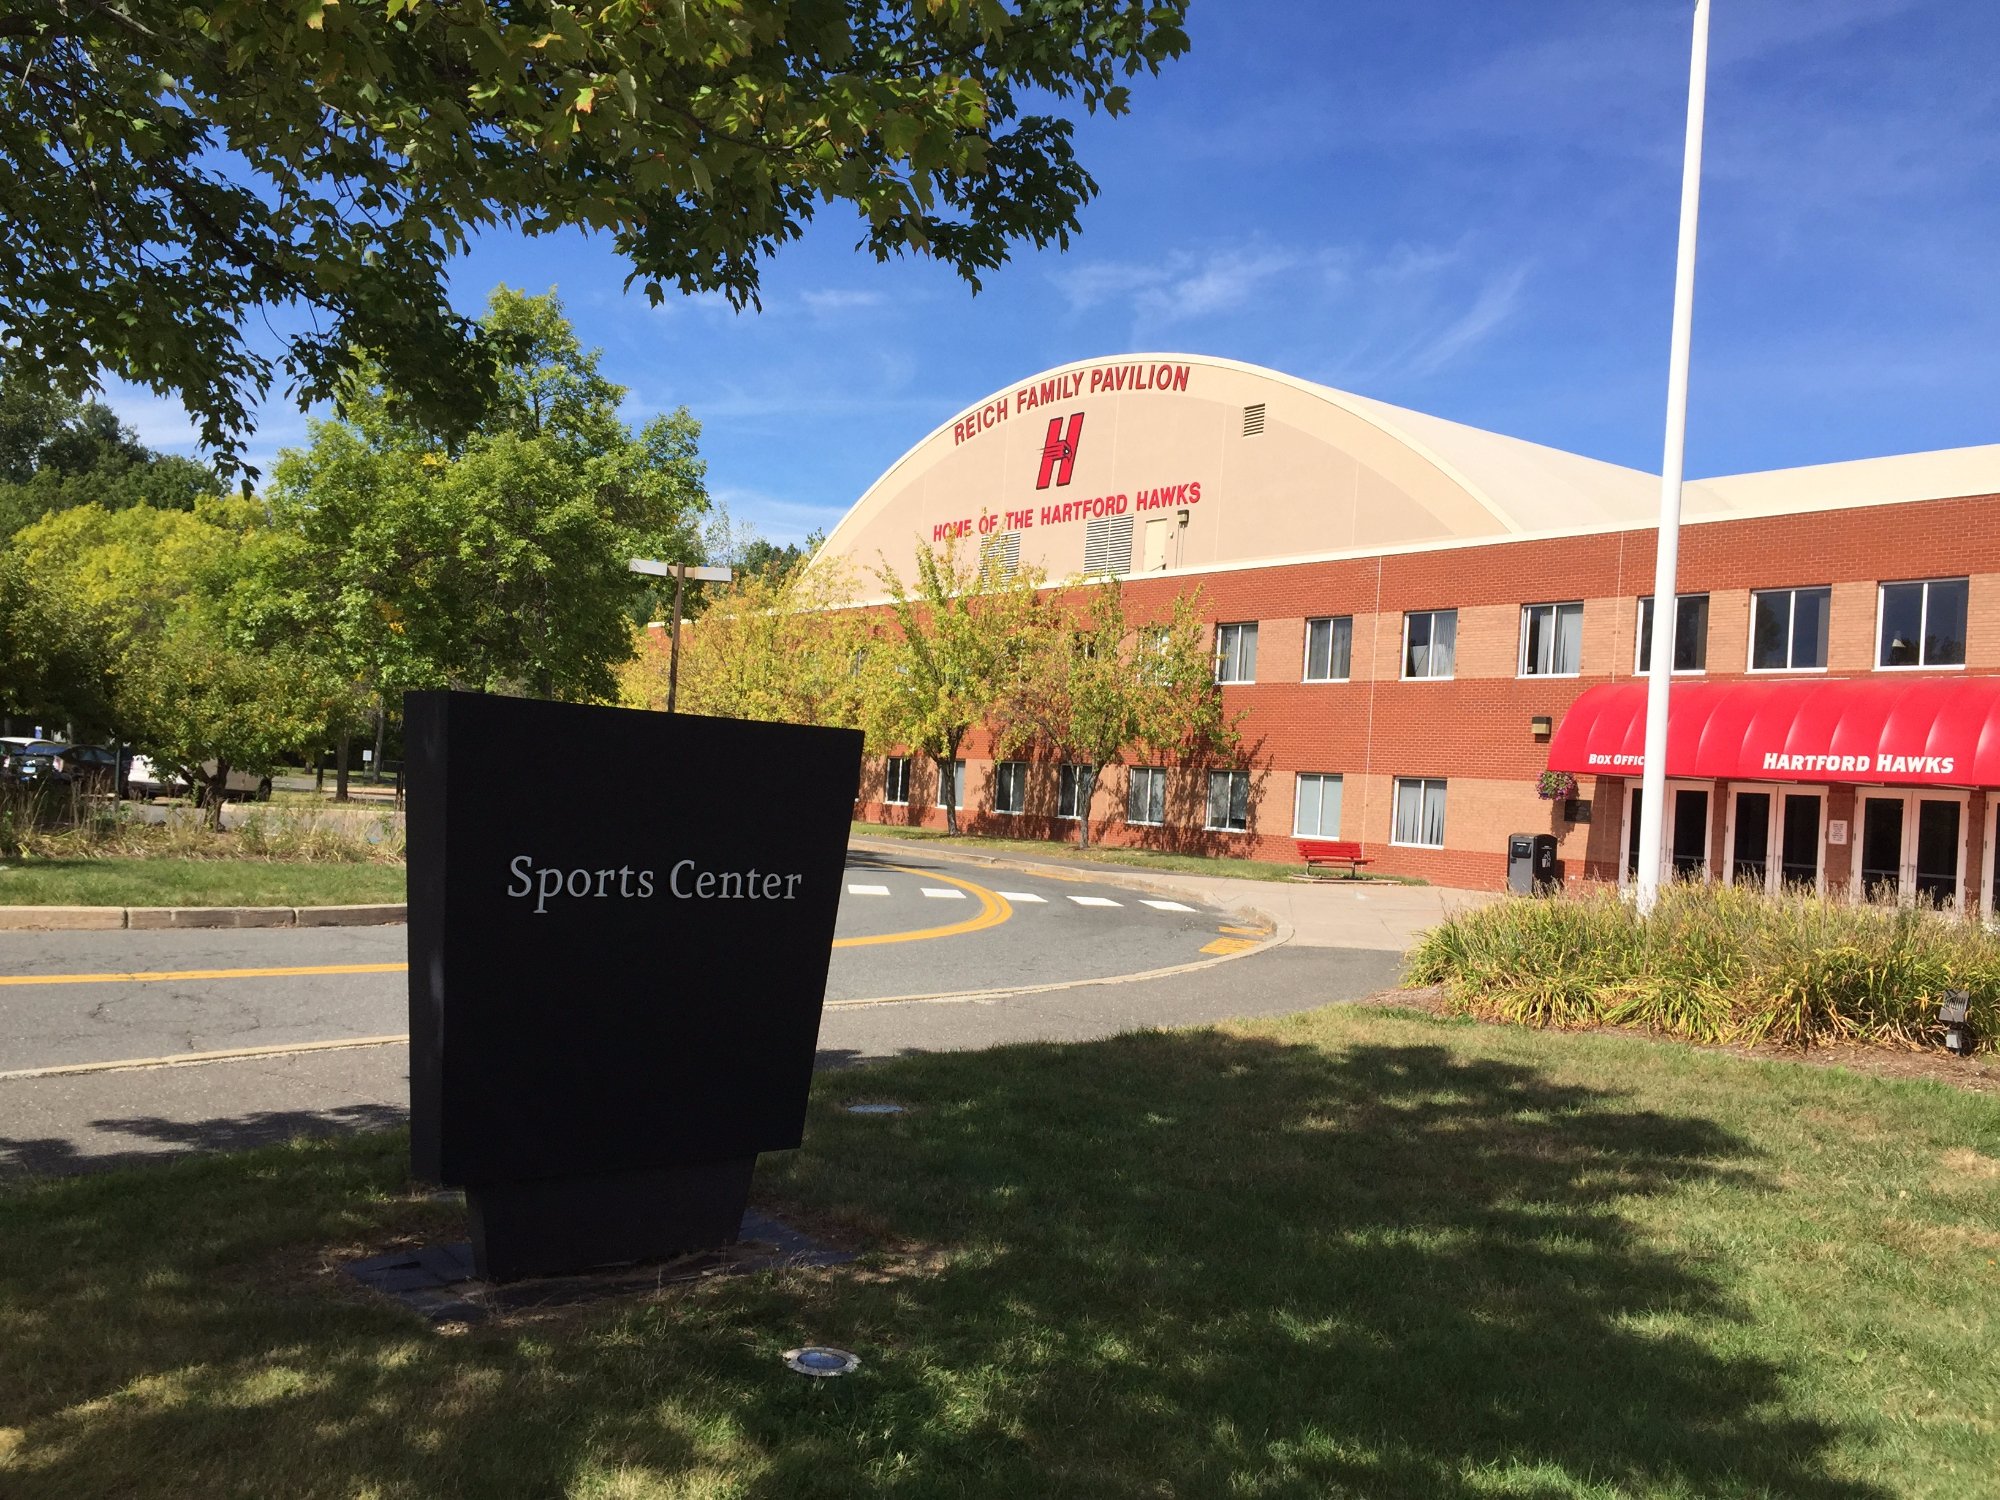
x=1220, y=464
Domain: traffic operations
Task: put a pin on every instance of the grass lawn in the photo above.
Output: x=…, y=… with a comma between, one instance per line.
x=1355, y=1253
x=1144, y=859
x=195, y=882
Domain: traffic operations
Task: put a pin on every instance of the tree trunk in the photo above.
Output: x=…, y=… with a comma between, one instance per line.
x=375, y=767
x=340, y=767
x=319, y=770
x=218, y=784
x=948, y=785
x=1083, y=796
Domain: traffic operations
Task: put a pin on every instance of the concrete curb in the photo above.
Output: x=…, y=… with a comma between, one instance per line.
x=167, y=918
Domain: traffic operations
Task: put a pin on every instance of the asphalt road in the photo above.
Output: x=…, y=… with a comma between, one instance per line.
x=930, y=954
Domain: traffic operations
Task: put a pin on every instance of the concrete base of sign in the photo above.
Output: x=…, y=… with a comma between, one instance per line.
x=565, y=1224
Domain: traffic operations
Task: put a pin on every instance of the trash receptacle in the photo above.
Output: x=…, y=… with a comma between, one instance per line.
x=1531, y=862
x=1548, y=875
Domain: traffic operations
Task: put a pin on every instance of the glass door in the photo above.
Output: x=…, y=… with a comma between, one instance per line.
x=1685, y=856
x=1879, y=871
x=1750, y=838
x=1775, y=838
x=1912, y=847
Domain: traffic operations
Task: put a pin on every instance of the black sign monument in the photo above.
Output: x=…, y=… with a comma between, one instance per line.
x=620, y=925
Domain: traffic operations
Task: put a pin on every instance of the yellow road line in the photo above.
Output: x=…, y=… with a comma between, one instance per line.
x=226, y=1054
x=147, y=977
x=993, y=910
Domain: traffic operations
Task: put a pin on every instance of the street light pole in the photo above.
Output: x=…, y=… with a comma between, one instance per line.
x=1666, y=566
x=680, y=573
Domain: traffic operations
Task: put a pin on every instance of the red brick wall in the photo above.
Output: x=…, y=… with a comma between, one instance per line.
x=1474, y=729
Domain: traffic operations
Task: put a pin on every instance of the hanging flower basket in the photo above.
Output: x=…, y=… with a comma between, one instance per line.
x=1555, y=786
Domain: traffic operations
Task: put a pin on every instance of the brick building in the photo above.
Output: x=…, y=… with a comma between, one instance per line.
x=1420, y=618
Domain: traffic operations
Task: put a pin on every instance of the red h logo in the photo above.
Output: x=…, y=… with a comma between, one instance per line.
x=1059, y=452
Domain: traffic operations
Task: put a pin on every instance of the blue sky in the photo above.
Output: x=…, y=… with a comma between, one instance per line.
x=1461, y=206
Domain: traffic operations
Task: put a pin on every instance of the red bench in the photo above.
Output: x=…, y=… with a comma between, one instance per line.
x=1317, y=852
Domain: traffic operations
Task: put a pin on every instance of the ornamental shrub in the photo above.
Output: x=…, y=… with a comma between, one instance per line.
x=1716, y=964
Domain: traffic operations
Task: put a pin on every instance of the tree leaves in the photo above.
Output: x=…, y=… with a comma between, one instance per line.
x=169, y=172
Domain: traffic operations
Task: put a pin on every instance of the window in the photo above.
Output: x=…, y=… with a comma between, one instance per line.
x=1010, y=786
x=1107, y=545
x=953, y=794
x=1070, y=795
x=1923, y=624
x=1229, y=800
x=896, y=781
x=1551, y=640
x=1236, y=653
x=1419, y=813
x=1316, y=814
x=1788, y=630
x=1329, y=649
x=1149, y=652
x=1146, y=800
x=1430, y=643
x=1690, y=633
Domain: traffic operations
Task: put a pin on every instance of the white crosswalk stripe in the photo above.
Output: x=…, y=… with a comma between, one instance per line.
x=1095, y=901
x=1028, y=896
x=1166, y=906
x=944, y=893
x=868, y=890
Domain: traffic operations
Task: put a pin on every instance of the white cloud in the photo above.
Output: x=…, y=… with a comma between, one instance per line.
x=160, y=421
x=1497, y=301
x=832, y=301
x=1185, y=285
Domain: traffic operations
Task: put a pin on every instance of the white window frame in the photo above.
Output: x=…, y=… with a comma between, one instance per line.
x=1017, y=772
x=1422, y=785
x=1523, y=666
x=1639, y=666
x=1146, y=773
x=1329, y=621
x=1075, y=772
x=889, y=781
x=1403, y=660
x=1791, y=611
x=1225, y=654
x=1298, y=797
x=1208, y=810
x=1923, y=625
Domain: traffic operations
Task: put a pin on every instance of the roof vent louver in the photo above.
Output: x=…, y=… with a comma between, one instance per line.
x=1253, y=420
x=1107, y=546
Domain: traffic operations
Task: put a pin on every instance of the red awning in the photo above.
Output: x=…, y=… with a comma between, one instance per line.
x=1929, y=731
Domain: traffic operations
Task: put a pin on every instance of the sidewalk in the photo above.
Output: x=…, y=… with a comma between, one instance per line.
x=1325, y=913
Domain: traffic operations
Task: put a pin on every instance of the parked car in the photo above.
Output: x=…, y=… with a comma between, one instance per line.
x=147, y=781
x=30, y=762
x=90, y=767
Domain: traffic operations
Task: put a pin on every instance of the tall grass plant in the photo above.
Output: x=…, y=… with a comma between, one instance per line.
x=1716, y=964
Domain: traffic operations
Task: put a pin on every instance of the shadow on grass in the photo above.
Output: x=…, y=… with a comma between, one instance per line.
x=56, y=1156
x=1167, y=1264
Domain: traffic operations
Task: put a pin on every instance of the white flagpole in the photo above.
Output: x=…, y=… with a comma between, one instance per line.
x=1653, y=781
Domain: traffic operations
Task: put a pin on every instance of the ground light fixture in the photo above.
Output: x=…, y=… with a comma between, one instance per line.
x=1957, y=1029
x=874, y=1109
x=821, y=1362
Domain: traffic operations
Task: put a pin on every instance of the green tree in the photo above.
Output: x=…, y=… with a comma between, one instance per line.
x=202, y=703
x=56, y=453
x=959, y=639
x=170, y=171
x=1097, y=686
x=781, y=646
x=52, y=666
x=497, y=561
